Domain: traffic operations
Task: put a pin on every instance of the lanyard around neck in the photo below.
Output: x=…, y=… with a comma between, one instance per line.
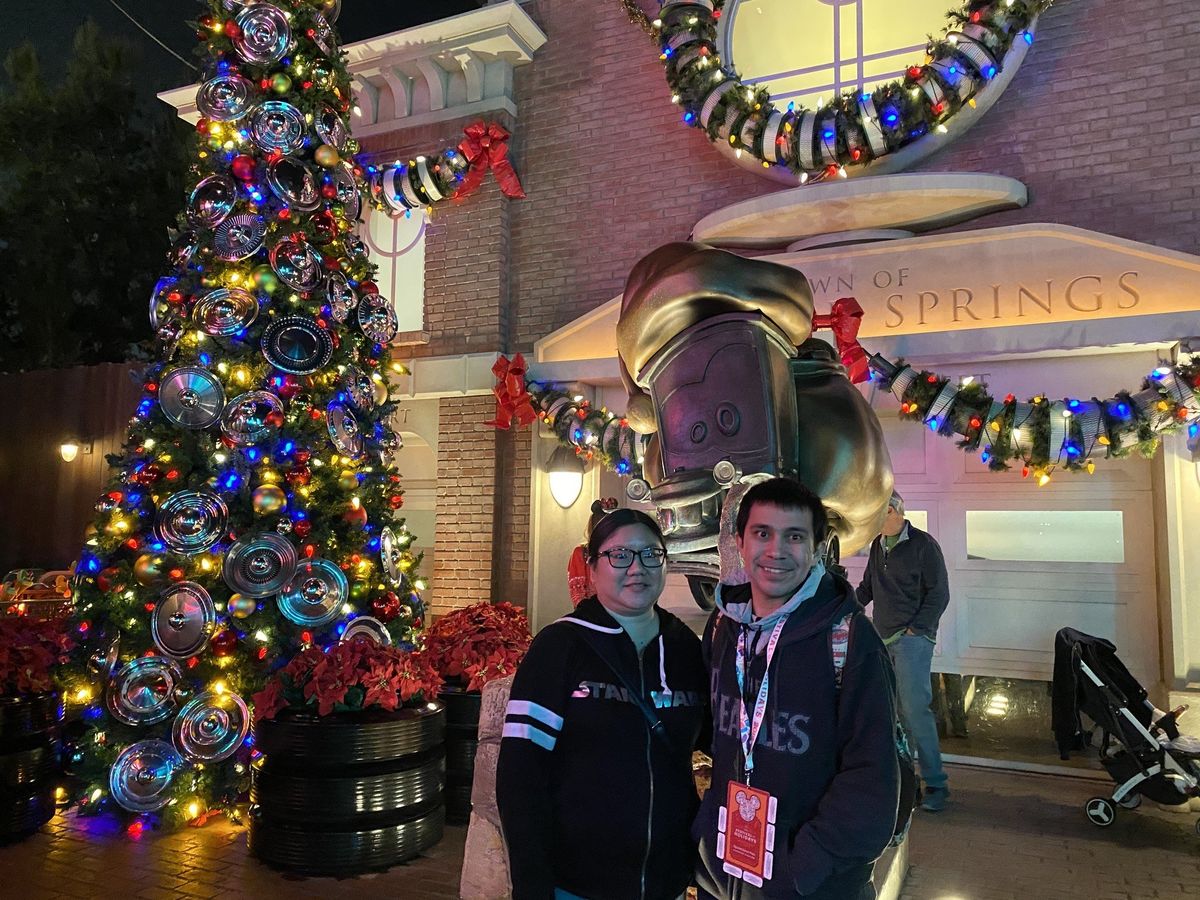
x=749, y=725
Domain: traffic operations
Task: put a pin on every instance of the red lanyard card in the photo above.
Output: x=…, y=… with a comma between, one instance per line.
x=746, y=833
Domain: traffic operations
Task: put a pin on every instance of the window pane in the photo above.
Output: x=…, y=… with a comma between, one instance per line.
x=1046, y=535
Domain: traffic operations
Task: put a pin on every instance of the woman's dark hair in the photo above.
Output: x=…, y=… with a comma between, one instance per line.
x=618, y=518
x=787, y=493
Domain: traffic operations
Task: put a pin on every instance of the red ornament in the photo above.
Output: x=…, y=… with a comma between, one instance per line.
x=224, y=642
x=302, y=528
x=107, y=580
x=288, y=387
x=329, y=190
x=303, y=456
x=386, y=607
x=395, y=501
x=232, y=31
x=914, y=72
x=242, y=167
x=300, y=475
x=356, y=516
x=368, y=287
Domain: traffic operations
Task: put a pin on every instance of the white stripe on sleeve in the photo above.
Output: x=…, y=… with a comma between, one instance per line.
x=534, y=711
x=530, y=733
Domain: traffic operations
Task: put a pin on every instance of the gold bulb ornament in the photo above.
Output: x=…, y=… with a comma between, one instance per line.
x=240, y=606
x=381, y=392
x=268, y=499
x=150, y=569
x=348, y=481
x=326, y=156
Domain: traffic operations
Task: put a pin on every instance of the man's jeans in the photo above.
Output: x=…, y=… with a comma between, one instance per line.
x=912, y=655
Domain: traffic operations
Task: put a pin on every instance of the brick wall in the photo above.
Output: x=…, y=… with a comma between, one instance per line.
x=466, y=503
x=609, y=169
x=1101, y=123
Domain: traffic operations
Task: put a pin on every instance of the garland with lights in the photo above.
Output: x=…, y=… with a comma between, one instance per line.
x=1041, y=434
x=252, y=509
x=593, y=433
x=451, y=174
x=1044, y=434
x=855, y=128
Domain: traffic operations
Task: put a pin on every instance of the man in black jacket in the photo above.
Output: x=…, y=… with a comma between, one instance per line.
x=906, y=580
x=805, y=778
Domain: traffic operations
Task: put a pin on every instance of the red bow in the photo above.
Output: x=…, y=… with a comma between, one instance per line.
x=511, y=397
x=486, y=147
x=843, y=320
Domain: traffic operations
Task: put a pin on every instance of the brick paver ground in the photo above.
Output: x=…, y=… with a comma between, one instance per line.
x=1006, y=836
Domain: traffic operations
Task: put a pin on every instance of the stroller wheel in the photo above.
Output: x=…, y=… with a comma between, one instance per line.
x=1100, y=811
x=1130, y=801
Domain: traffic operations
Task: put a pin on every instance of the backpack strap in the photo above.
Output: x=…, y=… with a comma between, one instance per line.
x=839, y=640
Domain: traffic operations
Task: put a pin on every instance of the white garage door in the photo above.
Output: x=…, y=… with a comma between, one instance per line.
x=1025, y=561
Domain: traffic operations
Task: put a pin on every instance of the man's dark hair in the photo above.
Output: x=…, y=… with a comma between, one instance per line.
x=787, y=493
x=619, y=518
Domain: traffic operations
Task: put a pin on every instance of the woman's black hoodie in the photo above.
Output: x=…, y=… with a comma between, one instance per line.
x=590, y=801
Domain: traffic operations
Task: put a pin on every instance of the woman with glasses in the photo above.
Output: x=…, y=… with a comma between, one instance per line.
x=594, y=782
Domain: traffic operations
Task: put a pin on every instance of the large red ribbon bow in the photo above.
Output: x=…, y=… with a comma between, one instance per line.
x=486, y=147
x=512, y=400
x=843, y=320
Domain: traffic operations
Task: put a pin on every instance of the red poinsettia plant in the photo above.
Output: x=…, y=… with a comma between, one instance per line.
x=29, y=650
x=478, y=643
x=349, y=676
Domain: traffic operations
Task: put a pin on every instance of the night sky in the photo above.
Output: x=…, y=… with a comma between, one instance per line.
x=50, y=24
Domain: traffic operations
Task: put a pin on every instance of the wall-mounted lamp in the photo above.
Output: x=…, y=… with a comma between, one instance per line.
x=565, y=470
x=72, y=447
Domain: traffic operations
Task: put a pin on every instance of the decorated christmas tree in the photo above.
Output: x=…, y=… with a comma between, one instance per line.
x=253, y=509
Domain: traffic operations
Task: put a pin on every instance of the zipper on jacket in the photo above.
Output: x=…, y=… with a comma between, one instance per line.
x=650, y=776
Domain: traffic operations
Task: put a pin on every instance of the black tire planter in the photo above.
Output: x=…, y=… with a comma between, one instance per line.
x=29, y=766
x=346, y=794
x=462, y=740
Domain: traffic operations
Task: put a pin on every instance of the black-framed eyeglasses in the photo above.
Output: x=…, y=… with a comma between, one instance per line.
x=622, y=557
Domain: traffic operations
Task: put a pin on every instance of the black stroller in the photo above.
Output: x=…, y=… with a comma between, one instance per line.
x=1140, y=746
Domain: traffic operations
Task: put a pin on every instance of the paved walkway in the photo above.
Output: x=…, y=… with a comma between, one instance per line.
x=1007, y=836
x=1004, y=837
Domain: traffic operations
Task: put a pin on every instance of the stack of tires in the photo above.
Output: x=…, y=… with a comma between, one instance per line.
x=29, y=769
x=462, y=740
x=348, y=793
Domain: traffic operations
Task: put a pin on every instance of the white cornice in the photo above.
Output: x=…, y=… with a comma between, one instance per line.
x=450, y=69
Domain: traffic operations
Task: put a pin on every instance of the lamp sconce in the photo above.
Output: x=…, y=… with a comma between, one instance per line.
x=565, y=470
x=72, y=447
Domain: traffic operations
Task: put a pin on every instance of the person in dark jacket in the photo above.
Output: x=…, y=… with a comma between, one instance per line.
x=595, y=788
x=906, y=580
x=805, y=738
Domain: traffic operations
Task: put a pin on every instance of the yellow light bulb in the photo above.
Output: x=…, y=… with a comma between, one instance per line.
x=193, y=809
x=1043, y=480
x=219, y=686
x=83, y=695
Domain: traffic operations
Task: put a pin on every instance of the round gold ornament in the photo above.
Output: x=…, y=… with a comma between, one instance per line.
x=348, y=481
x=280, y=83
x=381, y=392
x=268, y=499
x=150, y=569
x=241, y=606
x=326, y=156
